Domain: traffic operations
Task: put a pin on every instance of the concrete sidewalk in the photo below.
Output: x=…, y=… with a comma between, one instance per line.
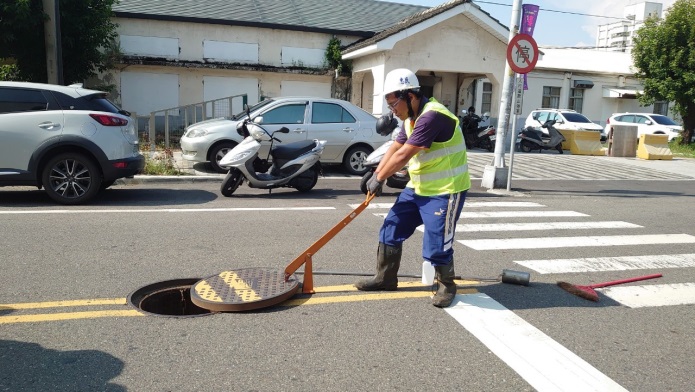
x=538, y=166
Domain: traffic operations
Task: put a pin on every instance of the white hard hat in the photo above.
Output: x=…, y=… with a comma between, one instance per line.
x=400, y=79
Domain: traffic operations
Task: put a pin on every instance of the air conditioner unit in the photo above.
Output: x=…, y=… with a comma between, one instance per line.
x=583, y=84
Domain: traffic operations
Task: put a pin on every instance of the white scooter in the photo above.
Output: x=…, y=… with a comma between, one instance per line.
x=294, y=165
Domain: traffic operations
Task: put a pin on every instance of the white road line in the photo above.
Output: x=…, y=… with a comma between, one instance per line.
x=514, y=214
x=520, y=214
x=468, y=204
x=621, y=263
x=652, y=295
x=167, y=210
x=544, y=363
x=545, y=226
x=571, y=242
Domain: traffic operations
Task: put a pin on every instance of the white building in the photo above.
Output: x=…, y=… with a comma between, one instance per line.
x=618, y=36
x=177, y=53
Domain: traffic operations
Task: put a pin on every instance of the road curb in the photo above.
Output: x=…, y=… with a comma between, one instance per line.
x=147, y=179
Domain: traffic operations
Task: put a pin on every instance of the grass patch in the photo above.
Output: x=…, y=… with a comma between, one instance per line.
x=681, y=150
x=161, y=163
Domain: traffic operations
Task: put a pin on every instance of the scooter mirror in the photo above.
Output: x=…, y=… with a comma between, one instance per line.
x=283, y=130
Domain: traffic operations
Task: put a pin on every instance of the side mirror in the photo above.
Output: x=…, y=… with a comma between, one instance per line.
x=283, y=130
x=649, y=122
x=258, y=120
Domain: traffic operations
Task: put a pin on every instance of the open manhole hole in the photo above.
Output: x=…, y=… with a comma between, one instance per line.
x=169, y=298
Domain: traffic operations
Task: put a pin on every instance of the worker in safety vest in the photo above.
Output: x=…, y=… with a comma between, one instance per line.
x=432, y=145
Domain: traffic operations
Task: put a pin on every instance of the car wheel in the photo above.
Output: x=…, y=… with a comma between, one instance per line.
x=217, y=153
x=71, y=178
x=231, y=182
x=354, y=160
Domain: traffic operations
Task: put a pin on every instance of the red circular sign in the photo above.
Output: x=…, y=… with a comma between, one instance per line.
x=522, y=53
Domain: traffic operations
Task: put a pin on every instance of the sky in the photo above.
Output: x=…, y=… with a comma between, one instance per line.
x=558, y=23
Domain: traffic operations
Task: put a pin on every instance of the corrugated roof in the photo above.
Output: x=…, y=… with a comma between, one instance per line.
x=354, y=17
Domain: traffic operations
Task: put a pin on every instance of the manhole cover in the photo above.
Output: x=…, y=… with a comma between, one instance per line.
x=243, y=289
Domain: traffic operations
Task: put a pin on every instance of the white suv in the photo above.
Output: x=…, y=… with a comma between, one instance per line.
x=647, y=123
x=69, y=140
x=565, y=119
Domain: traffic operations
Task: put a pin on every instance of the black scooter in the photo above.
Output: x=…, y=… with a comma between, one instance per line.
x=475, y=136
x=533, y=139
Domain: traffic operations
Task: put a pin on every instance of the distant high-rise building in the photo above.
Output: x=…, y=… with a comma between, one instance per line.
x=617, y=36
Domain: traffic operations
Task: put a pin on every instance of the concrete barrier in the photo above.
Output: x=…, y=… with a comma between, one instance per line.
x=569, y=138
x=587, y=143
x=622, y=141
x=654, y=147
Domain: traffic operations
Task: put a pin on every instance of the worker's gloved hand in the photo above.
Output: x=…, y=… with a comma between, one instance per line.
x=375, y=186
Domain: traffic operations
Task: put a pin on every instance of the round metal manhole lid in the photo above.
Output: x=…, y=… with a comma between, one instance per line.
x=243, y=289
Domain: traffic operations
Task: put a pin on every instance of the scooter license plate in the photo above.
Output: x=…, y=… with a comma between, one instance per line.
x=493, y=137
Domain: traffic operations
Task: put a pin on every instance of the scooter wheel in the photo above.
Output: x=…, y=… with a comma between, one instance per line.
x=365, y=180
x=525, y=147
x=231, y=182
x=559, y=148
x=306, y=181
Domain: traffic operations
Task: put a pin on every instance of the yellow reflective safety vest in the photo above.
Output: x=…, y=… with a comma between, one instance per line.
x=443, y=168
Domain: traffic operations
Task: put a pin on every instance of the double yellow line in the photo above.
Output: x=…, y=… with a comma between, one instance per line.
x=412, y=290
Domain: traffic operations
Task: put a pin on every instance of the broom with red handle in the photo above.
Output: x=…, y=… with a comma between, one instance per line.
x=587, y=292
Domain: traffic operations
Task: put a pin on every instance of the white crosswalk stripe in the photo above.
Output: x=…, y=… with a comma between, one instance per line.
x=621, y=263
x=631, y=296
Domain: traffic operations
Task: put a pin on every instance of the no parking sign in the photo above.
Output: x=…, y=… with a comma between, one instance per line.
x=522, y=53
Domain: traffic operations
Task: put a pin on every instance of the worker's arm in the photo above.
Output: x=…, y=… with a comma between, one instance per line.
x=395, y=159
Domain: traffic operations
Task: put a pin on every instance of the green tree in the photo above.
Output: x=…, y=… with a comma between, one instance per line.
x=86, y=30
x=664, y=56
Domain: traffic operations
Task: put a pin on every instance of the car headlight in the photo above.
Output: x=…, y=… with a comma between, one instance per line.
x=196, y=133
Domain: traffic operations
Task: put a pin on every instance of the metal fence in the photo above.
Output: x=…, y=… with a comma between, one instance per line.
x=164, y=128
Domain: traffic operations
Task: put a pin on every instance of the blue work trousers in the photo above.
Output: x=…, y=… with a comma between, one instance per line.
x=439, y=215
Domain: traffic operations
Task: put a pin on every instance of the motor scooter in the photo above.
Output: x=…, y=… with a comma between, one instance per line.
x=475, y=136
x=532, y=139
x=294, y=165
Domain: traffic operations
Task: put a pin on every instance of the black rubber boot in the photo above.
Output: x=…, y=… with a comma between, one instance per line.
x=447, y=288
x=387, y=264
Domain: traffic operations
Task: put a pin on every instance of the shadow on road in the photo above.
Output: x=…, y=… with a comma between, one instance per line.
x=31, y=367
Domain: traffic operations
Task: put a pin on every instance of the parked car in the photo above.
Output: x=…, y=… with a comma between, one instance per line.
x=647, y=123
x=349, y=131
x=69, y=140
x=565, y=119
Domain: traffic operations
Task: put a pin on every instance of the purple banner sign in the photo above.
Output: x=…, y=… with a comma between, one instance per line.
x=529, y=14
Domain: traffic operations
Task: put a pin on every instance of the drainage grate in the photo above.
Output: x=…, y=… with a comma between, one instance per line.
x=170, y=298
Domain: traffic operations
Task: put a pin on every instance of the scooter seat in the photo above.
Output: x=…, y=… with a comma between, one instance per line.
x=292, y=150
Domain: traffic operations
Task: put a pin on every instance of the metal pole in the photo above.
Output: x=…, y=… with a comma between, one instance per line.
x=512, y=143
x=506, y=101
x=495, y=175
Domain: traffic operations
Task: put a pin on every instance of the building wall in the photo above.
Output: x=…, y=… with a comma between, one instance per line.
x=447, y=57
x=214, y=46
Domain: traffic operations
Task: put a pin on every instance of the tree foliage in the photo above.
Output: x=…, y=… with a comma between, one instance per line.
x=664, y=58
x=86, y=30
x=335, y=59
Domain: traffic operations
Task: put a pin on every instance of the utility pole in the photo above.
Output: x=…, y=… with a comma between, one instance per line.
x=54, y=55
x=495, y=176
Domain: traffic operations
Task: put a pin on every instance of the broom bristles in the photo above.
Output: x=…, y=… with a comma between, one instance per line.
x=580, y=291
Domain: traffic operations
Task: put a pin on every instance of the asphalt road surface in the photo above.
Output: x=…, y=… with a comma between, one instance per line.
x=65, y=324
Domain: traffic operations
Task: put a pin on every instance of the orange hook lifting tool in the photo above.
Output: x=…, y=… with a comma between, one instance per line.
x=305, y=257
